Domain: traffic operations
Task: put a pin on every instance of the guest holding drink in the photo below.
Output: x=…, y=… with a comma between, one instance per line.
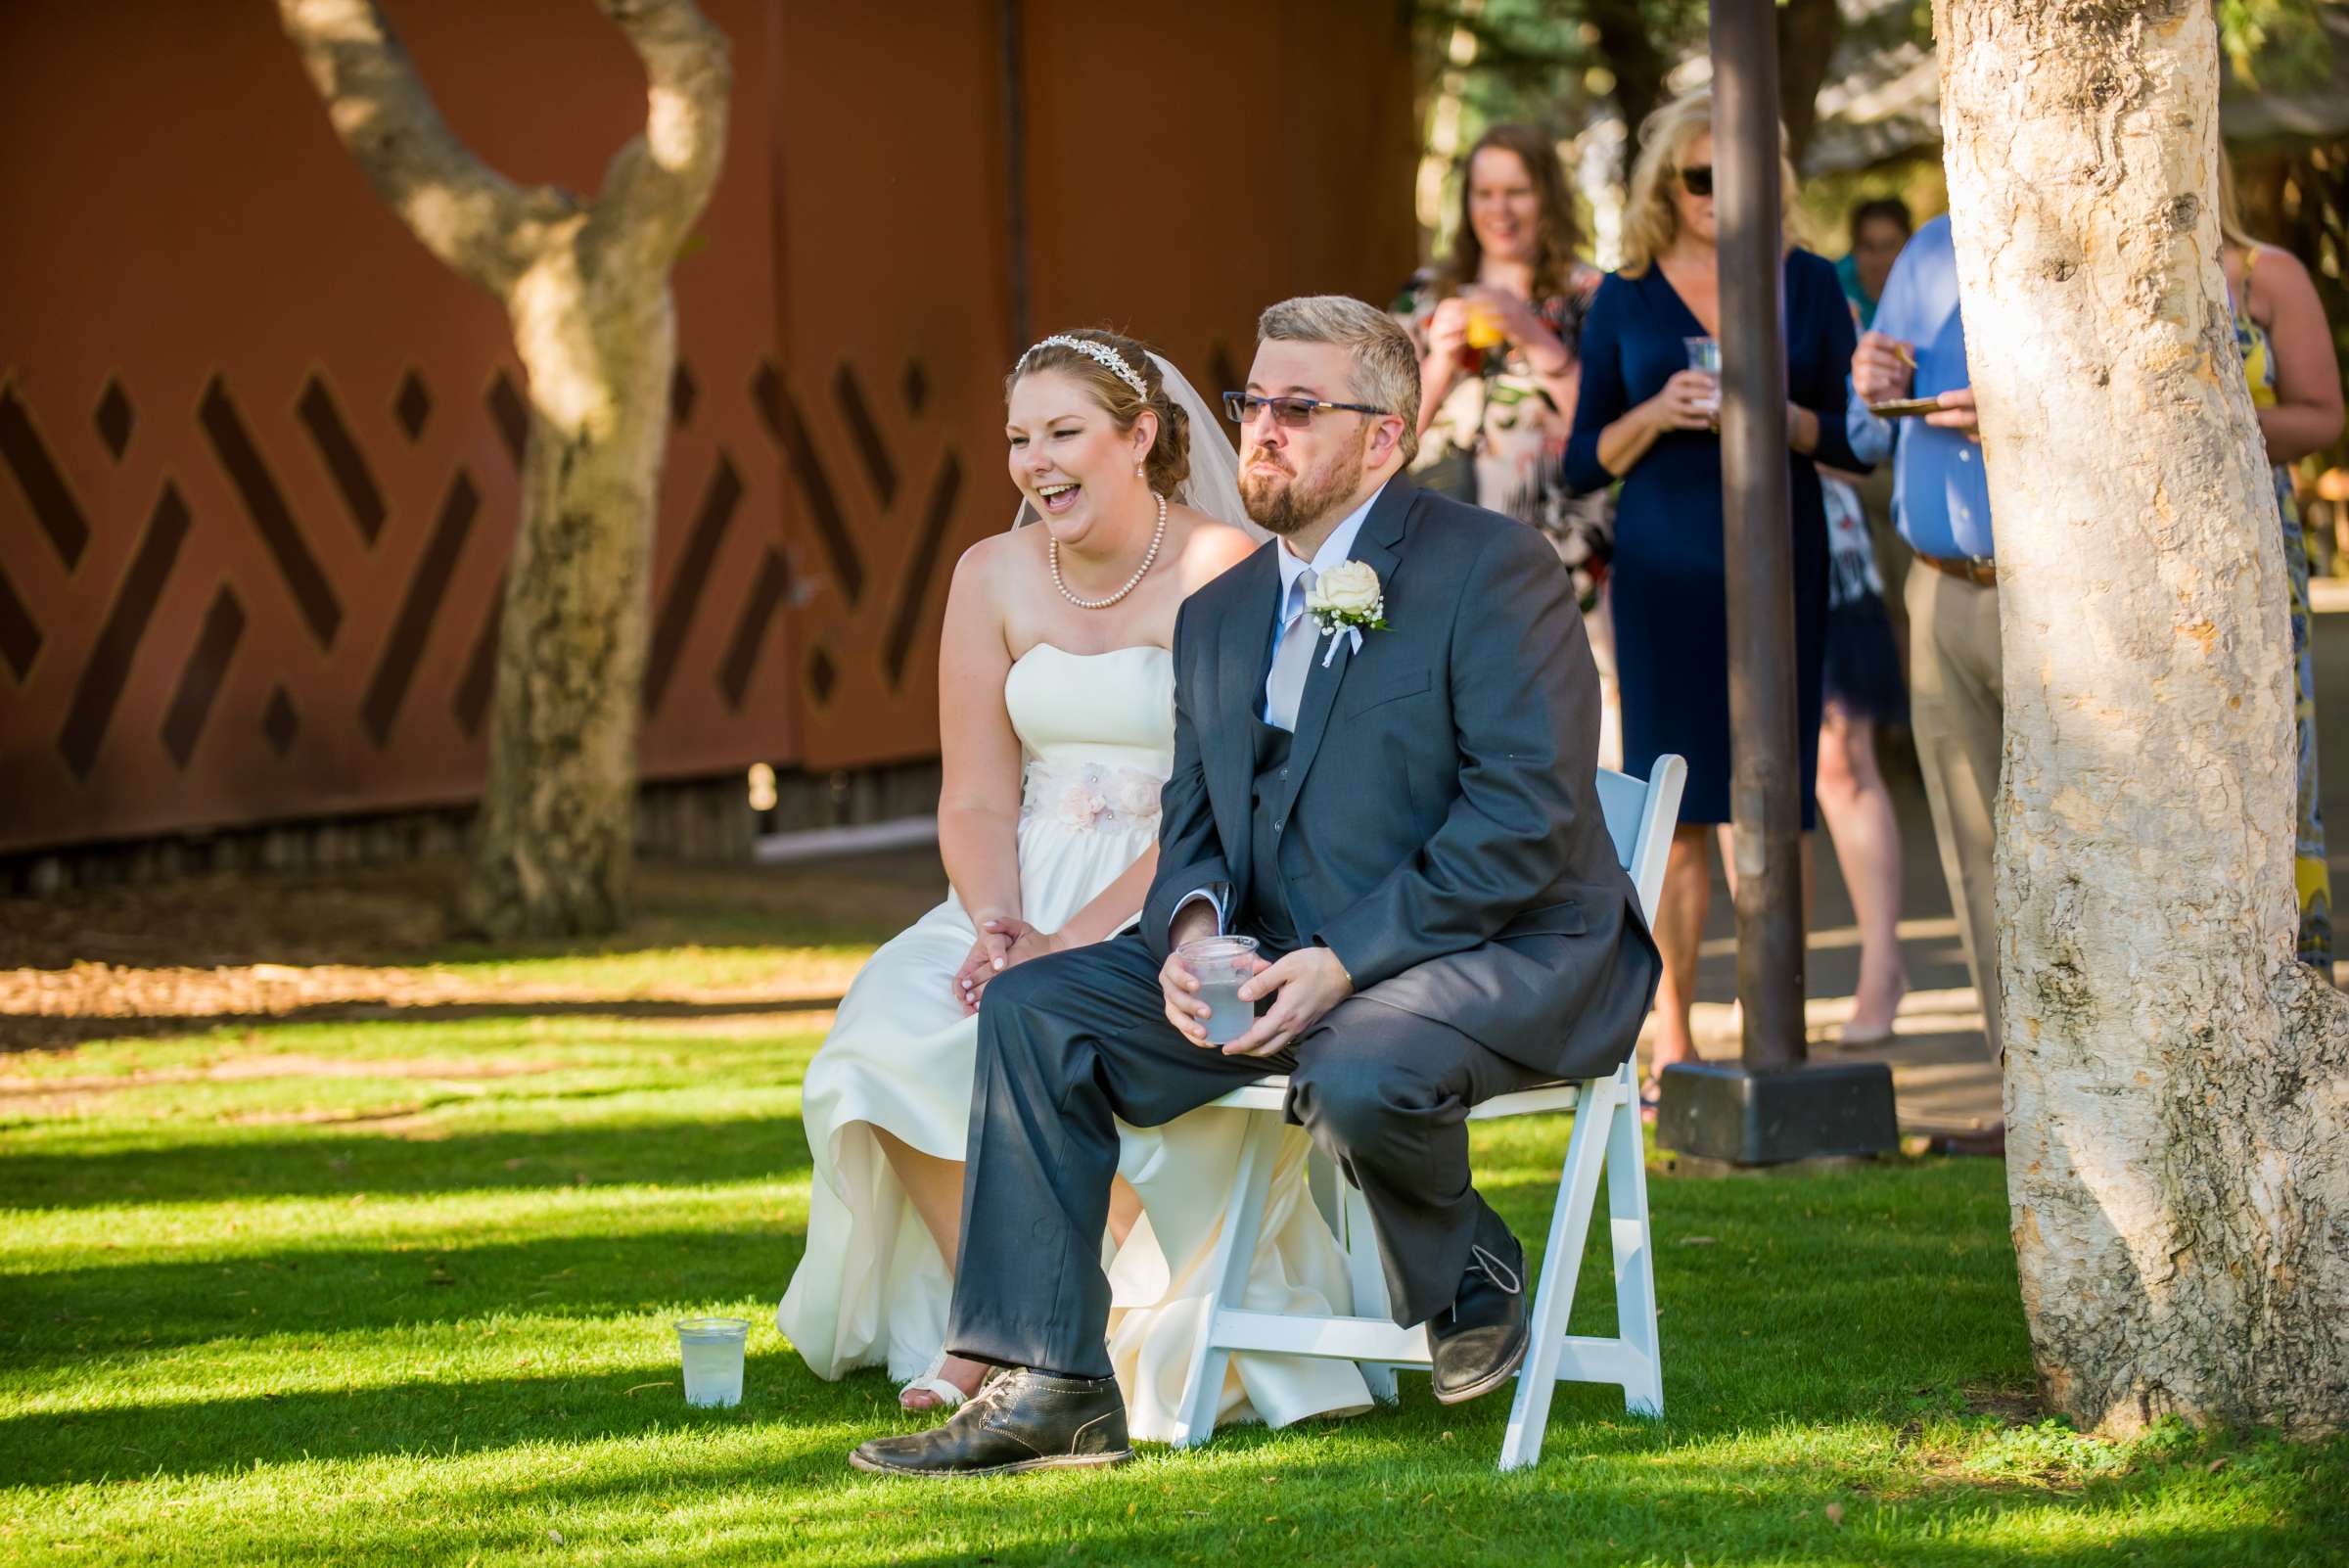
x=1646, y=417
x=1496, y=322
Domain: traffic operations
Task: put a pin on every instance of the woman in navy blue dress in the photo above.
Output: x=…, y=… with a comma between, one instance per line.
x=1645, y=417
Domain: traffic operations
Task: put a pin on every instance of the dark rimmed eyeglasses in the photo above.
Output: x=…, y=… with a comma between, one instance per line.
x=1697, y=180
x=1290, y=413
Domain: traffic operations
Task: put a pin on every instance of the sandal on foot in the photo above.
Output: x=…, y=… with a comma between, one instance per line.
x=943, y=1395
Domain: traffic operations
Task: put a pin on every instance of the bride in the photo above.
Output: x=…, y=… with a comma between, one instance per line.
x=1056, y=726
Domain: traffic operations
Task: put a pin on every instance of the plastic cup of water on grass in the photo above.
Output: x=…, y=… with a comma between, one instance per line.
x=1222, y=965
x=712, y=1352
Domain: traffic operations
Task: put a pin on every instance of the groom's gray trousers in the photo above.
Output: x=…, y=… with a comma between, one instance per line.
x=1071, y=1042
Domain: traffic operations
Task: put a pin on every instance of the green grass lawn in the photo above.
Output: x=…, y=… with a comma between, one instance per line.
x=399, y=1291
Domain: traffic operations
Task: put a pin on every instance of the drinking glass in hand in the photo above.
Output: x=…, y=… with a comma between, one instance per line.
x=1483, y=327
x=1222, y=965
x=1704, y=355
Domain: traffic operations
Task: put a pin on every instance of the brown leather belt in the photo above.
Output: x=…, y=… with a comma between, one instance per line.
x=1980, y=573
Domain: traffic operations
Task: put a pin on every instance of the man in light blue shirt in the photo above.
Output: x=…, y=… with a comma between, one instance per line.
x=1940, y=499
x=1941, y=504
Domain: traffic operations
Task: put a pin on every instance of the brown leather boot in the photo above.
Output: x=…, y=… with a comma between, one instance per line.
x=1022, y=1421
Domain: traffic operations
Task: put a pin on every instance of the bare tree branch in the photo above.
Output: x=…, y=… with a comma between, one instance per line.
x=657, y=184
x=480, y=223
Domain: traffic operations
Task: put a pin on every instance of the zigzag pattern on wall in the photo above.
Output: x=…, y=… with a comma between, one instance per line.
x=319, y=634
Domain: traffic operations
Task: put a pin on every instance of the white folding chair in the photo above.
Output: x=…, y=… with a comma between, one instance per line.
x=1606, y=1128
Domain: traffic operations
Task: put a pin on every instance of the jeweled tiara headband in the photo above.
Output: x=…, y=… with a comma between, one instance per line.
x=1099, y=352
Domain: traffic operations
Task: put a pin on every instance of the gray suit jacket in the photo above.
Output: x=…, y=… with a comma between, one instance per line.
x=1441, y=832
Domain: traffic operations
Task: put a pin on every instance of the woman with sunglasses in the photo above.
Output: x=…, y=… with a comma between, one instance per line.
x=1647, y=416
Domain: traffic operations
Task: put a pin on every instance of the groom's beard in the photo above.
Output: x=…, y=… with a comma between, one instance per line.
x=1282, y=504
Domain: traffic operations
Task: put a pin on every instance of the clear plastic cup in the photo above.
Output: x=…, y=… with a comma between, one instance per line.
x=1222, y=965
x=712, y=1348
x=1704, y=355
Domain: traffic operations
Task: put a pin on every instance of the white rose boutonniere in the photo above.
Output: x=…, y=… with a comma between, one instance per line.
x=1347, y=598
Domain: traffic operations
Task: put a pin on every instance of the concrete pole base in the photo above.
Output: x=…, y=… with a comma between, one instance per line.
x=1723, y=1111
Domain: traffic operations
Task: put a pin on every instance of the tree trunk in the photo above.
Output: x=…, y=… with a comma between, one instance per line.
x=1627, y=43
x=586, y=287
x=2176, y=1082
x=1808, y=33
x=555, y=841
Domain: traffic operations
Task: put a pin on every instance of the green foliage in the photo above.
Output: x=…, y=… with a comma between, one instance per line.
x=417, y=1310
x=2278, y=45
x=1549, y=62
x=2049, y=1448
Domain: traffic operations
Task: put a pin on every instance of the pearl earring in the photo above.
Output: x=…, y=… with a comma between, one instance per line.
x=1138, y=471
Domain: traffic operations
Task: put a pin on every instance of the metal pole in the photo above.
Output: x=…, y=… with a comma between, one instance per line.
x=1757, y=512
x=1012, y=45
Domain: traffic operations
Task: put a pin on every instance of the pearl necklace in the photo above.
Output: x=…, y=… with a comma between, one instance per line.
x=1052, y=554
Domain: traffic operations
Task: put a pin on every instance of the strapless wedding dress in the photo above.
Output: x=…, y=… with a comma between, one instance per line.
x=1097, y=734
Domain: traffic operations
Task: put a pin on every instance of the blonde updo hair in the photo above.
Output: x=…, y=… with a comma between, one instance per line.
x=1168, y=462
x=1650, y=219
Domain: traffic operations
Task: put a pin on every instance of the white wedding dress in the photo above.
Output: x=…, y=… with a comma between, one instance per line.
x=1097, y=734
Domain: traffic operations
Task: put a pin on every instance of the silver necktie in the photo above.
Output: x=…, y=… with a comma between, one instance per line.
x=1294, y=660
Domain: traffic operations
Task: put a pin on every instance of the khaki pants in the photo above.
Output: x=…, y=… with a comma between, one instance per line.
x=1956, y=705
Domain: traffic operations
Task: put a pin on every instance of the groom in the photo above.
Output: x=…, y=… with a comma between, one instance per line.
x=1407, y=823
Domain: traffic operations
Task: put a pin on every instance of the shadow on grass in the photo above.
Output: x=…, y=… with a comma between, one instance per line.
x=435, y=1418
x=1392, y=1487
x=312, y=1162
x=335, y=1296
x=402, y=914
x=768, y=1481
x=1860, y=1305
x=1130, y=1543
x=1402, y=1497
x=1656, y=1522
x=71, y=1315
x=49, y=1032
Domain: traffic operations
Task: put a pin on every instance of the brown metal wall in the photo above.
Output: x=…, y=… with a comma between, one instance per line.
x=893, y=301
x=1190, y=166
x=256, y=460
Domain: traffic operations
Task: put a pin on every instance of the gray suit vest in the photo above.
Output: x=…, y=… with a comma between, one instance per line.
x=1267, y=917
